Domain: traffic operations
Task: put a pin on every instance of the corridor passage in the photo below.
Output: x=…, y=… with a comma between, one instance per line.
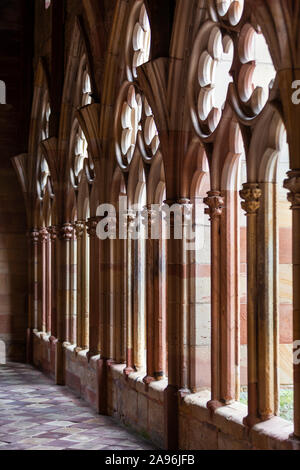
x=35, y=414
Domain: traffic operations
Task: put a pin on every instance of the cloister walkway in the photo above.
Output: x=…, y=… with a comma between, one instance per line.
x=35, y=414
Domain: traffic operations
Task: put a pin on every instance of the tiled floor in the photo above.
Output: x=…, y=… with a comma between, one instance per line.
x=35, y=414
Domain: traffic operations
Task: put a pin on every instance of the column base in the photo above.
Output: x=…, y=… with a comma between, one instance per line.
x=91, y=354
x=213, y=405
x=148, y=379
x=127, y=371
x=251, y=420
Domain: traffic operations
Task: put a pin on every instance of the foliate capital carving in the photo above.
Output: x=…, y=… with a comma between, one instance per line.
x=292, y=183
x=92, y=226
x=43, y=235
x=79, y=228
x=53, y=230
x=34, y=235
x=66, y=232
x=215, y=203
x=251, y=194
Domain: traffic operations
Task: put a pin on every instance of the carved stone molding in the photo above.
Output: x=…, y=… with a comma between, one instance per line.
x=215, y=203
x=66, y=232
x=34, y=235
x=43, y=235
x=53, y=231
x=292, y=183
x=79, y=228
x=251, y=194
x=92, y=226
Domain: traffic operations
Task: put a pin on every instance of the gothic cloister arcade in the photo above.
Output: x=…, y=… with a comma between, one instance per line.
x=192, y=340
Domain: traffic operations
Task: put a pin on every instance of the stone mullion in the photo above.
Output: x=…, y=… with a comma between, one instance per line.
x=43, y=235
x=215, y=206
x=192, y=273
x=33, y=291
x=185, y=340
x=94, y=317
x=117, y=296
x=73, y=287
x=176, y=332
x=48, y=284
x=228, y=289
x=160, y=310
x=151, y=295
x=293, y=185
x=129, y=297
x=268, y=315
x=251, y=194
x=85, y=293
x=138, y=301
x=79, y=227
x=54, y=263
x=63, y=298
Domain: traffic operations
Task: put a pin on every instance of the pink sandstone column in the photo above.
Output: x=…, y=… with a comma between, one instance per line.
x=215, y=203
x=33, y=291
x=293, y=185
x=251, y=194
x=63, y=299
x=94, y=321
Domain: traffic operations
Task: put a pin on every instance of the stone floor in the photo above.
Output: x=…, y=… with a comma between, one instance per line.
x=35, y=414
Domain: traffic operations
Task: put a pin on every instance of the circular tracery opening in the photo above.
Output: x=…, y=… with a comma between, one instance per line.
x=214, y=78
x=141, y=41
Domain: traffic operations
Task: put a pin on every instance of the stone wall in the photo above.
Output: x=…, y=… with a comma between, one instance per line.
x=141, y=407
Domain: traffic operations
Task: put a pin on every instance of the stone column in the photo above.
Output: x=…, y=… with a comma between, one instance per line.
x=63, y=299
x=48, y=283
x=53, y=231
x=43, y=237
x=129, y=314
x=79, y=228
x=229, y=315
x=119, y=295
x=293, y=185
x=94, y=317
x=138, y=296
x=73, y=287
x=215, y=203
x=33, y=237
x=267, y=301
x=251, y=195
x=152, y=296
x=178, y=325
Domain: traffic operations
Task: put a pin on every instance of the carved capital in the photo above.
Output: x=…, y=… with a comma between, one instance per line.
x=53, y=230
x=43, y=235
x=215, y=203
x=292, y=183
x=34, y=235
x=251, y=194
x=92, y=226
x=66, y=232
x=79, y=228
